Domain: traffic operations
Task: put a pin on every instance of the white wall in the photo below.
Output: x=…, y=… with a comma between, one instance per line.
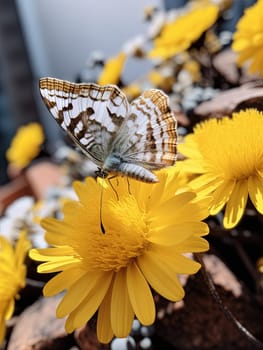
x=61, y=34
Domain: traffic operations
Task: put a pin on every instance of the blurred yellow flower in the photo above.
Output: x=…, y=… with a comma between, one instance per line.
x=160, y=81
x=12, y=277
x=148, y=228
x=112, y=70
x=132, y=91
x=248, y=38
x=193, y=67
x=227, y=156
x=179, y=35
x=25, y=145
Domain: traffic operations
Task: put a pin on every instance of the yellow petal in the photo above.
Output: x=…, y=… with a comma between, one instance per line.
x=175, y=260
x=177, y=233
x=196, y=210
x=236, y=205
x=121, y=310
x=21, y=248
x=86, y=309
x=112, y=70
x=193, y=245
x=221, y=196
x=51, y=254
x=162, y=215
x=69, y=324
x=87, y=191
x=10, y=309
x=73, y=214
x=62, y=281
x=240, y=44
x=244, y=56
x=161, y=275
x=84, y=287
x=56, y=266
x=206, y=182
x=255, y=190
x=57, y=228
x=140, y=295
x=2, y=329
x=104, y=330
x=189, y=148
x=156, y=193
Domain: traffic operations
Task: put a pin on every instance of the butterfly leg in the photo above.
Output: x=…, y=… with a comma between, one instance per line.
x=111, y=185
x=129, y=186
x=101, y=197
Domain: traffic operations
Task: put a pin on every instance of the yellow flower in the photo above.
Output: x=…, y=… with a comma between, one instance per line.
x=132, y=91
x=227, y=156
x=160, y=81
x=12, y=277
x=112, y=70
x=248, y=38
x=179, y=35
x=148, y=228
x=25, y=145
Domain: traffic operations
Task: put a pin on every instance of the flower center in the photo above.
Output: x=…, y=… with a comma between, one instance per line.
x=235, y=149
x=239, y=162
x=125, y=236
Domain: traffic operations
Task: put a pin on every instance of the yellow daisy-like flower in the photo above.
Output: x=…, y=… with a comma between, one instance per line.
x=178, y=36
x=112, y=70
x=227, y=154
x=248, y=38
x=132, y=91
x=12, y=277
x=148, y=228
x=25, y=145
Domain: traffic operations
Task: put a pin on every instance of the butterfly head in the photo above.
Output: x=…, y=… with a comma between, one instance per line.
x=101, y=173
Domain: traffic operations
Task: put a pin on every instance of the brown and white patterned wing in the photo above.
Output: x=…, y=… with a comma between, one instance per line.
x=151, y=126
x=91, y=114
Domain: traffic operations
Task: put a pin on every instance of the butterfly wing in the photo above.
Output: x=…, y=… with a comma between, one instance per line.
x=151, y=126
x=89, y=113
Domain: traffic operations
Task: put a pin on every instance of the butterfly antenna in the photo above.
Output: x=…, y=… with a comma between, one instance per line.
x=101, y=197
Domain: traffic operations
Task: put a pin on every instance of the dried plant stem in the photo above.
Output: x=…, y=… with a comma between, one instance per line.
x=208, y=279
x=247, y=262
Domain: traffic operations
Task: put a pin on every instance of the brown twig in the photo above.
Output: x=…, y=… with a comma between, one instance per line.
x=209, y=281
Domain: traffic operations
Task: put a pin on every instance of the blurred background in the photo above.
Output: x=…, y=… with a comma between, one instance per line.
x=54, y=38
x=59, y=39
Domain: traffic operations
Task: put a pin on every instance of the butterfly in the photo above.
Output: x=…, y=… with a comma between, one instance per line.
x=123, y=138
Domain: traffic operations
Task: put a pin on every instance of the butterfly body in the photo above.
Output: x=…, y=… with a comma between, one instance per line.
x=115, y=165
x=121, y=138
